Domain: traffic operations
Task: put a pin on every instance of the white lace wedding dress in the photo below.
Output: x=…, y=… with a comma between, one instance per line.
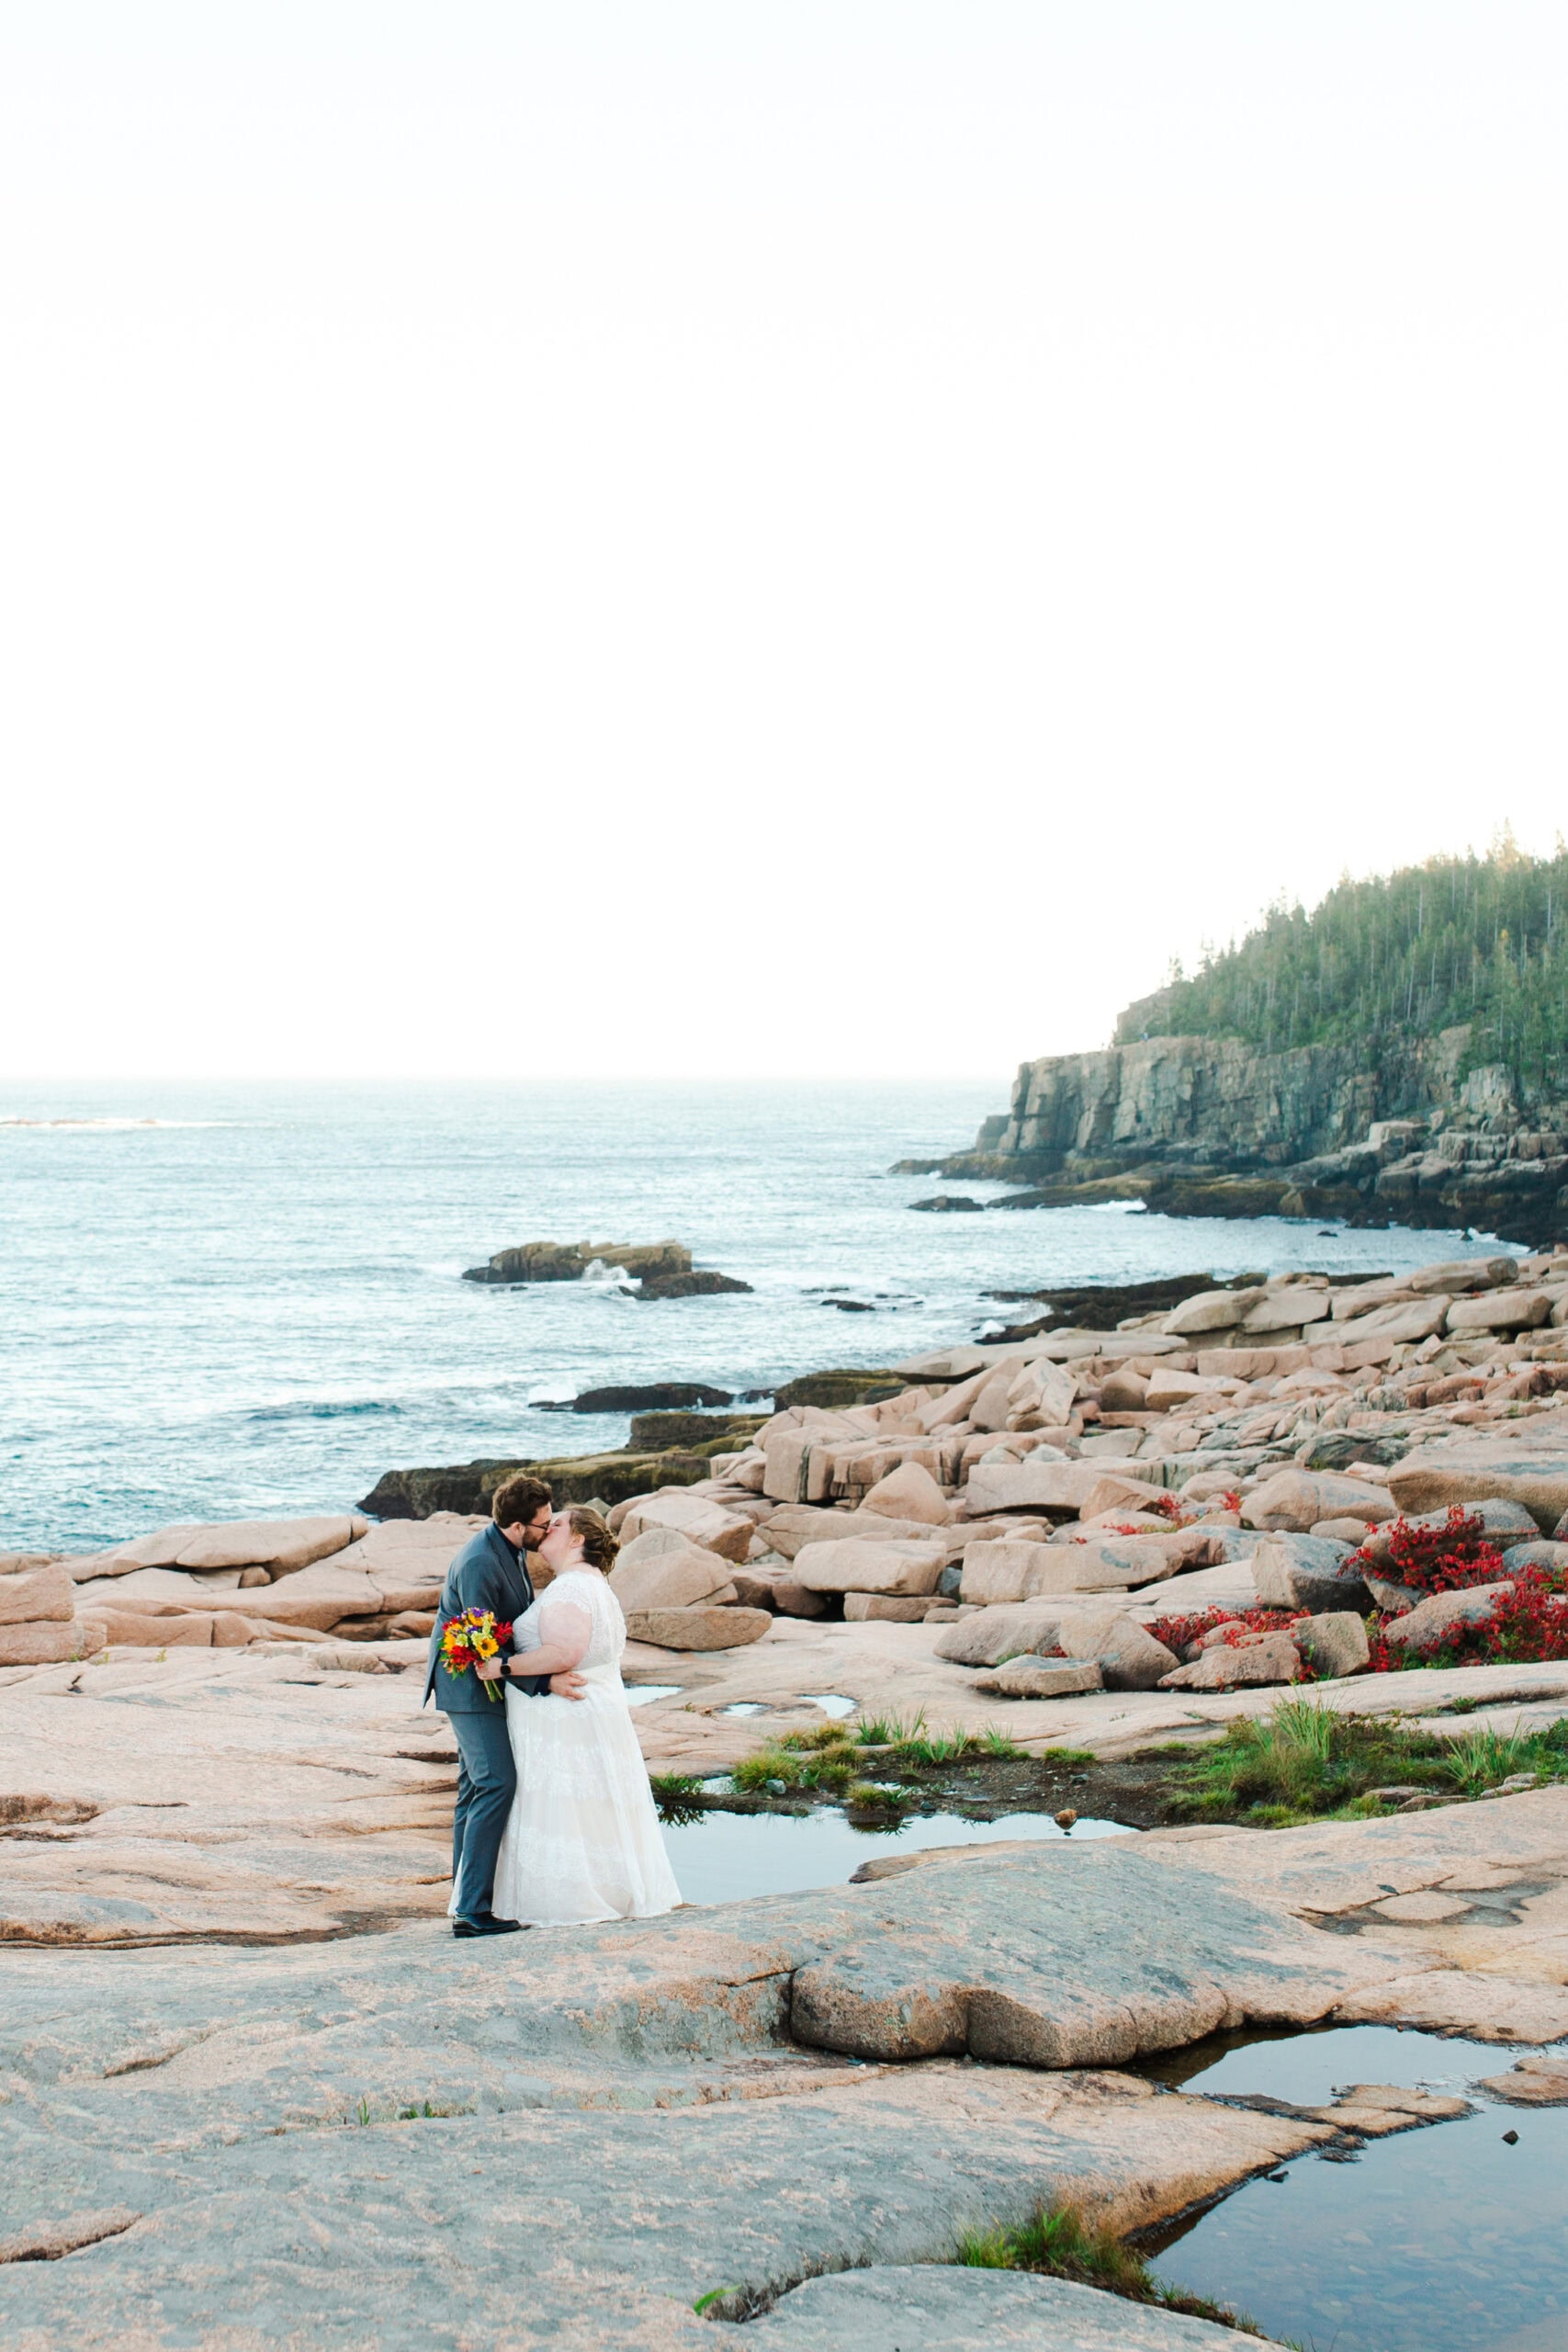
x=582, y=1842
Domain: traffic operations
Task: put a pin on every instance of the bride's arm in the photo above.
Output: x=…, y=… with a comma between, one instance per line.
x=567, y=1632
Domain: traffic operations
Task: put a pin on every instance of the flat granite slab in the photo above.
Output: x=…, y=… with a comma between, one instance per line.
x=263, y=1798
x=936, y=2309
x=570, y=2137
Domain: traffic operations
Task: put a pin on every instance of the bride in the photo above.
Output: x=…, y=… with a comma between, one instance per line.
x=582, y=1842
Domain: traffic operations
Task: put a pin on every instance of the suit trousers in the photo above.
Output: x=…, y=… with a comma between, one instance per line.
x=487, y=1781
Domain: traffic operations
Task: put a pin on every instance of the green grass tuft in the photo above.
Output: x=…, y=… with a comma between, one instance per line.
x=889, y=1731
x=1305, y=1761
x=677, y=1796
x=1062, y=2244
x=1484, y=1757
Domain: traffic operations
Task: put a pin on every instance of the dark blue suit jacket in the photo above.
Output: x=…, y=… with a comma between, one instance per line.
x=486, y=1574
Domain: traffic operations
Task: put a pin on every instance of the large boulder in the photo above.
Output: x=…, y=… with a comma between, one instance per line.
x=909, y=1492
x=1287, y=1307
x=129, y=1629
x=1502, y=1522
x=1173, y=1392
x=989, y=1409
x=859, y=1566
x=318, y=1598
x=793, y=1525
x=1500, y=1310
x=48, y=1641
x=772, y=1583
x=37, y=1596
x=991, y=1635
x=408, y=1558
x=1003, y=1571
x=1209, y=1310
x=1260, y=1659
x=1112, y=1563
x=1542, y=1553
x=1294, y=1501
x=1461, y=1274
x=1531, y=1467
x=1335, y=1644
x=1443, y=1613
x=698, y=1629
x=660, y=1570
x=1040, y=1397
x=1036, y=1485
x=282, y=1546
x=1400, y=1323
x=1307, y=1572
x=1128, y=1656
x=894, y=1607
x=150, y=1592
x=1116, y=1491
x=1042, y=1678
x=691, y=1516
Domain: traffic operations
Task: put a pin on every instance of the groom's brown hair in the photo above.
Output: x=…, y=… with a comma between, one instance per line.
x=519, y=1498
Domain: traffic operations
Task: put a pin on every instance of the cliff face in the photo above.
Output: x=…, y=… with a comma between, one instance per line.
x=1212, y=1127
x=1200, y=1102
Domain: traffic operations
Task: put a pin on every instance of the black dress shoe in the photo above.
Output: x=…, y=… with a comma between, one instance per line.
x=489, y=1926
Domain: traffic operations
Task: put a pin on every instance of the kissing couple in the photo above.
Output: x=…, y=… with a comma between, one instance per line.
x=556, y=1824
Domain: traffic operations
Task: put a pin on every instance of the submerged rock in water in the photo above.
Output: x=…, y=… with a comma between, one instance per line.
x=652, y=1397
x=702, y=1284
x=567, y=1261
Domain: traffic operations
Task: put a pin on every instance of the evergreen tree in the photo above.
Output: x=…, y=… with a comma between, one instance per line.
x=1476, y=939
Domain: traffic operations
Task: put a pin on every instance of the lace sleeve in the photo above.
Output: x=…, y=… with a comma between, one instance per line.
x=565, y=1626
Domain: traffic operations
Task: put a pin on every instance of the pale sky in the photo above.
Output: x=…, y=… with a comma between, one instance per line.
x=698, y=537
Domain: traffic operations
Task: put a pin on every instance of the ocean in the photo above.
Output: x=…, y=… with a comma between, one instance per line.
x=222, y=1300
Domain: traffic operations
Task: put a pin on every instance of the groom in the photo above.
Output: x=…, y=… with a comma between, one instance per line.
x=489, y=1572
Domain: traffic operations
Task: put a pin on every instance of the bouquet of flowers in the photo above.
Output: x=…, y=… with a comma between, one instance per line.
x=466, y=1641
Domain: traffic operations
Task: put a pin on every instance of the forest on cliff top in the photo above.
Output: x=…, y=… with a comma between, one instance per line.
x=1476, y=939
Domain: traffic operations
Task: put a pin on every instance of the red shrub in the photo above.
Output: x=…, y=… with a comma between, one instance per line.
x=1525, y=1626
x=1176, y=1631
x=1436, y=1559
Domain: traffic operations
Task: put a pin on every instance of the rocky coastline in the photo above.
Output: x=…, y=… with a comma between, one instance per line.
x=1199, y=1126
x=248, y=2081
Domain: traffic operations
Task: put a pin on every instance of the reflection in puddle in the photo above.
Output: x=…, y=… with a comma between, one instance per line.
x=638, y=1694
x=728, y=1855
x=830, y=1703
x=1444, y=2239
x=745, y=1707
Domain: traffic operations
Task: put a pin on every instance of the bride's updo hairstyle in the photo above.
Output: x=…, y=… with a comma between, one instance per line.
x=599, y=1546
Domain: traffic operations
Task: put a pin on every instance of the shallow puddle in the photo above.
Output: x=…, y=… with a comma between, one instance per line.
x=830, y=1703
x=728, y=1855
x=641, y=1694
x=1443, y=2239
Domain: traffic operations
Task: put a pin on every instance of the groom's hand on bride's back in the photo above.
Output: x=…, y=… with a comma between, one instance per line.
x=566, y=1686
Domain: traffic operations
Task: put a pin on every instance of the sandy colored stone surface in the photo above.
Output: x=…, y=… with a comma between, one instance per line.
x=220, y=1792
x=937, y=2310
x=630, y=2117
x=626, y=2117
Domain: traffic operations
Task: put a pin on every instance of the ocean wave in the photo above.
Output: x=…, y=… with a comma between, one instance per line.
x=84, y=1126
x=316, y=1408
